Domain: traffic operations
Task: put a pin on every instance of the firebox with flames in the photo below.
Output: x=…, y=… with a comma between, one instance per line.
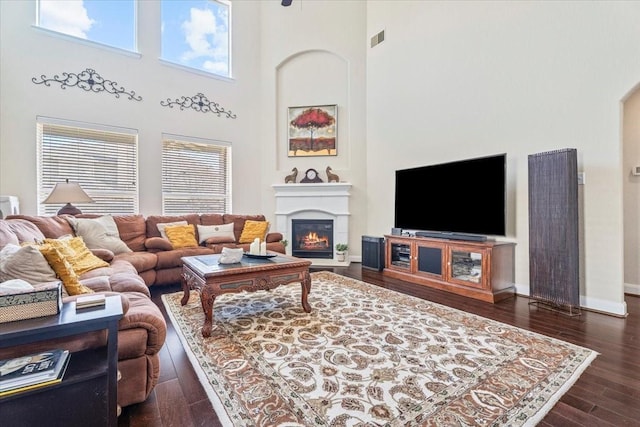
x=312, y=240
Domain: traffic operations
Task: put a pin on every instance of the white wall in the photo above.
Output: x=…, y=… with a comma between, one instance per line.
x=631, y=185
x=30, y=52
x=455, y=80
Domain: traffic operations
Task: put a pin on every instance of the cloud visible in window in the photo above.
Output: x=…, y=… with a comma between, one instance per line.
x=206, y=40
x=69, y=17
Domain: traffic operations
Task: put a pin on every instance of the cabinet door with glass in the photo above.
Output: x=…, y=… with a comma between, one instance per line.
x=429, y=259
x=399, y=255
x=466, y=266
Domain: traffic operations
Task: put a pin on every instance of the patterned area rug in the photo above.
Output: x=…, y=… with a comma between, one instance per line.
x=368, y=356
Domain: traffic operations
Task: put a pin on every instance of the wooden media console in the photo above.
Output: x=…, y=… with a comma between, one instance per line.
x=480, y=270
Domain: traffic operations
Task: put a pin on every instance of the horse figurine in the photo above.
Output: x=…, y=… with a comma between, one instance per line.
x=332, y=177
x=291, y=178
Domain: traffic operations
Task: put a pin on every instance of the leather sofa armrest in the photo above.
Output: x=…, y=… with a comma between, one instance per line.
x=273, y=237
x=157, y=244
x=143, y=313
x=104, y=254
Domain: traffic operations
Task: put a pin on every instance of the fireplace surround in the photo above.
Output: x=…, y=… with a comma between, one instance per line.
x=314, y=201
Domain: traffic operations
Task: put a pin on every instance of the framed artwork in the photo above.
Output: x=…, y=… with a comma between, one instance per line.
x=313, y=131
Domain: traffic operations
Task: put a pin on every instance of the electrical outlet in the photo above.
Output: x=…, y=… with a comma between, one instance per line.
x=580, y=178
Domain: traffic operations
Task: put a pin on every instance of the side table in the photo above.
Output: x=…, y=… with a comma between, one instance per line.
x=88, y=391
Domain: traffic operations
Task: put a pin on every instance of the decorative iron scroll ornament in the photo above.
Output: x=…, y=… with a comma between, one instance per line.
x=200, y=103
x=88, y=80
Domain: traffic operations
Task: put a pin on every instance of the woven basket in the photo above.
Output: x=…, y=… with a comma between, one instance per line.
x=43, y=301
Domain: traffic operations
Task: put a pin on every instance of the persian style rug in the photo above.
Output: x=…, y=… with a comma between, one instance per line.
x=368, y=356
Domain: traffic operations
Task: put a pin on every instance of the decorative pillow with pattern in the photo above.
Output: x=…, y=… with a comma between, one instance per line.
x=64, y=270
x=161, y=226
x=219, y=233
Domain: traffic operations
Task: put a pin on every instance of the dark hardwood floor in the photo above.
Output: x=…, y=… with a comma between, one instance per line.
x=607, y=393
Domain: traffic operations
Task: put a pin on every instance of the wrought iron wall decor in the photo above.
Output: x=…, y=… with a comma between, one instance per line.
x=200, y=103
x=88, y=80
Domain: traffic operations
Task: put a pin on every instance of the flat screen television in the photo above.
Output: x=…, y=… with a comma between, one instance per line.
x=466, y=197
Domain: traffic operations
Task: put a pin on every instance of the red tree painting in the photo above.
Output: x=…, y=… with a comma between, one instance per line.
x=313, y=119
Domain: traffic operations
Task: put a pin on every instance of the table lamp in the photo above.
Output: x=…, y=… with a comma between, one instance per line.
x=68, y=192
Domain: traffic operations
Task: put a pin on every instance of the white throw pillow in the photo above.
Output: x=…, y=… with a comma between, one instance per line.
x=162, y=225
x=96, y=235
x=15, y=285
x=26, y=263
x=224, y=230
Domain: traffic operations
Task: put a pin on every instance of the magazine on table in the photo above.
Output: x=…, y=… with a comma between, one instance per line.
x=32, y=369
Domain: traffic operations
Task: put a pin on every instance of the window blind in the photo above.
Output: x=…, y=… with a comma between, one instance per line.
x=101, y=159
x=195, y=176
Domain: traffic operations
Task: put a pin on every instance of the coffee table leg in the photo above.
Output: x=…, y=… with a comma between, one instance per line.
x=306, y=288
x=207, y=299
x=185, y=289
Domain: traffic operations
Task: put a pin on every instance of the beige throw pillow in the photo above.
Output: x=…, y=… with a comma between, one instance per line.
x=222, y=232
x=161, y=226
x=26, y=263
x=98, y=236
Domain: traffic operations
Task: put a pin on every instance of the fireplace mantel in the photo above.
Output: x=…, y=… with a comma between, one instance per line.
x=314, y=201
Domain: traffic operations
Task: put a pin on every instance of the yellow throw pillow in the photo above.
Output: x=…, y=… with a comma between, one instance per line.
x=182, y=236
x=63, y=270
x=77, y=254
x=253, y=229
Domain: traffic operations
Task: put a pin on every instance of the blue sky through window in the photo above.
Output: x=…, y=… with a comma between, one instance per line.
x=195, y=33
x=110, y=22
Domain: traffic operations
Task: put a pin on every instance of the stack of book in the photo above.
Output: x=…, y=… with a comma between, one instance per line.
x=32, y=371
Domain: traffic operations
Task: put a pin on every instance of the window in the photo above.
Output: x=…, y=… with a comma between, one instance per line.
x=108, y=22
x=103, y=160
x=195, y=176
x=196, y=34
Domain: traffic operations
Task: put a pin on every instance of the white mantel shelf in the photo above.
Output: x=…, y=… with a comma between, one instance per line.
x=323, y=200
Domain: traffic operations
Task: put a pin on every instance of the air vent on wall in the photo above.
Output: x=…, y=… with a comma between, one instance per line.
x=377, y=39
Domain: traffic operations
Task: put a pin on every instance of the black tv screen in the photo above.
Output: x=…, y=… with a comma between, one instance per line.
x=467, y=196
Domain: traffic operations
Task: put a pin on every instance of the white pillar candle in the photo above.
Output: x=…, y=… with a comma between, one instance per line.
x=254, y=248
x=263, y=248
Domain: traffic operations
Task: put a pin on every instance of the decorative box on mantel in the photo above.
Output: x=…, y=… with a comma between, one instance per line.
x=314, y=201
x=45, y=300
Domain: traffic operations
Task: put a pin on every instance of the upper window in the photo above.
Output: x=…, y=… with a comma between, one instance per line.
x=196, y=34
x=108, y=22
x=102, y=159
x=196, y=176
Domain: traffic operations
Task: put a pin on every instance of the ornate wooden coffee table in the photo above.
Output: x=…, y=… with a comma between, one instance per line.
x=203, y=273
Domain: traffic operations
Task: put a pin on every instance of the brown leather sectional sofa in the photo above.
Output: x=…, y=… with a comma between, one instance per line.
x=151, y=262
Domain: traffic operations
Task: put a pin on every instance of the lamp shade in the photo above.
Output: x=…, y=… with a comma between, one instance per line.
x=68, y=192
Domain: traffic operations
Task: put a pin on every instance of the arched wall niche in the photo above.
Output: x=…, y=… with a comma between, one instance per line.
x=307, y=78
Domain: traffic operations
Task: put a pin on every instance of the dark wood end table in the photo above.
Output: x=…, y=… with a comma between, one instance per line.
x=204, y=274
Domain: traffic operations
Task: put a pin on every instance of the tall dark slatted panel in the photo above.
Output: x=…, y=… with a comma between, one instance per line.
x=553, y=228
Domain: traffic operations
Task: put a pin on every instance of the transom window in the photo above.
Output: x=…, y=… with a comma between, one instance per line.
x=196, y=176
x=102, y=159
x=108, y=22
x=196, y=34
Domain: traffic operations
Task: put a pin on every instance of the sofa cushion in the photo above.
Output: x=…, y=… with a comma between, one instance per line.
x=98, y=236
x=139, y=261
x=158, y=244
x=212, y=219
x=14, y=258
x=153, y=221
x=253, y=230
x=52, y=227
x=217, y=233
x=170, y=259
x=182, y=236
x=132, y=230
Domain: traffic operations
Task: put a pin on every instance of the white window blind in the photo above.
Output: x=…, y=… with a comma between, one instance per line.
x=103, y=160
x=195, y=176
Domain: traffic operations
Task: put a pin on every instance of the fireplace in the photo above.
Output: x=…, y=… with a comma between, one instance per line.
x=312, y=238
